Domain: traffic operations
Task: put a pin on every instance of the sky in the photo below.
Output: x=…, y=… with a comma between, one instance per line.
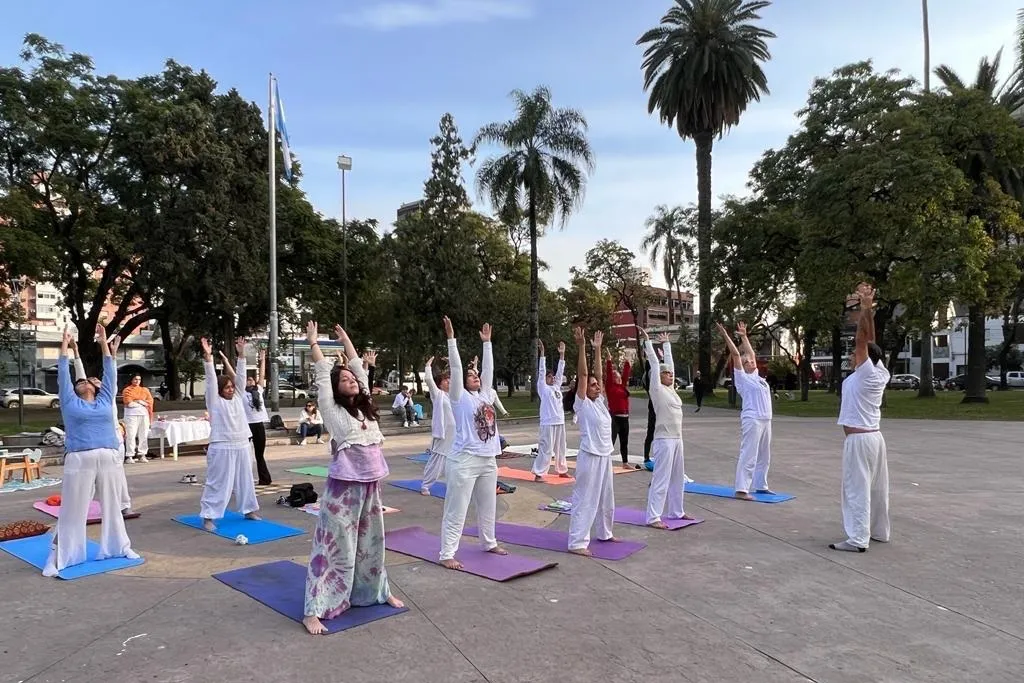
x=371, y=79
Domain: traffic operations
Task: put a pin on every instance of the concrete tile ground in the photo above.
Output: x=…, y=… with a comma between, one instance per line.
x=751, y=594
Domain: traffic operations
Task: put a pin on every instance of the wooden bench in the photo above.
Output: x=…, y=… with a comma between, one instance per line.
x=30, y=464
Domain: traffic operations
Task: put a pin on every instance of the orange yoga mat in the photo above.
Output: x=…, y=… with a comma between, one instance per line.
x=616, y=468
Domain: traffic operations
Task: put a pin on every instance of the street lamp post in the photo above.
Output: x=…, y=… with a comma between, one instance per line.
x=16, y=290
x=344, y=164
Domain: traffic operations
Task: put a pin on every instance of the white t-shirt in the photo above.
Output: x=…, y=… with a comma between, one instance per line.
x=251, y=414
x=551, y=410
x=757, y=397
x=400, y=400
x=595, y=424
x=476, y=426
x=862, y=396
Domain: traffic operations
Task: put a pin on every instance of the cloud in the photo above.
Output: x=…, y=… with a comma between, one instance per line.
x=389, y=16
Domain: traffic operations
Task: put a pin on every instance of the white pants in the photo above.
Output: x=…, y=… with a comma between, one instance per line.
x=593, y=500
x=469, y=477
x=434, y=469
x=668, y=480
x=122, y=481
x=88, y=473
x=228, y=467
x=865, y=495
x=136, y=435
x=551, y=442
x=755, y=454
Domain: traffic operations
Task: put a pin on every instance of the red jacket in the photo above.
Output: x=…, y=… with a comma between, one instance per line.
x=617, y=392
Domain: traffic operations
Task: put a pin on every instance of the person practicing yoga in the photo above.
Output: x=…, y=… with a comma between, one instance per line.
x=669, y=477
x=228, y=468
x=90, y=465
x=256, y=416
x=346, y=564
x=124, y=499
x=865, y=492
x=551, y=436
x=755, y=418
x=471, y=471
x=616, y=392
x=593, y=495
x=442, y=426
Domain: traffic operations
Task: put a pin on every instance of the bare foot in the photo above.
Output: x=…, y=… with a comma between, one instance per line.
x=768, y=492
x=424, y=492
x=208, y=525
x=687, y=517
x=314, y=625
x=743, y=495
x=565, y=475
x=498, y=550
x=451, y=564
x=658, y=525
x=252, y=515
x=395, y=602
x=585, y=552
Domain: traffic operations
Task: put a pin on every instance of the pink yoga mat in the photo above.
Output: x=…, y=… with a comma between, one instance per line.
x=553, y=539
x=417, y=542
x=635, y=517
x=54, y=511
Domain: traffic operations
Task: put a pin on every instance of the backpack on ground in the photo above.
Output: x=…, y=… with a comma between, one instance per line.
x=301, y=494
x=276, y=422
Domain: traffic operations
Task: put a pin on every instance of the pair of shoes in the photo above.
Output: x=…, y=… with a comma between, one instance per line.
x=187, y=479
x=143, y=458
x=416, y=424
x=129, y=459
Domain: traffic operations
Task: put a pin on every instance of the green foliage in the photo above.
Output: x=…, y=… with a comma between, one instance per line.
x=612, y=265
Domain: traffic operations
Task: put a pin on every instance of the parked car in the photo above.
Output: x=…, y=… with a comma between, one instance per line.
x=36, y=398
x=904, y=382
x=959, y=383
x=284, y=390
x=1015, y=378
x=682, y=383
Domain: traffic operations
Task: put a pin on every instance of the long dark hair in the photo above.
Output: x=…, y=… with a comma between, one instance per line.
x=362, y=402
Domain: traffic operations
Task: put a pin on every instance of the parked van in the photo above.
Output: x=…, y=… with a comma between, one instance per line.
x=1015, y=379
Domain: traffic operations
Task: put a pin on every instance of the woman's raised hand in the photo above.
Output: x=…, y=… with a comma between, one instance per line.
x=312, y=332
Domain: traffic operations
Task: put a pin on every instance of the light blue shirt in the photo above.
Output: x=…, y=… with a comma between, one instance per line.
x=88, y=424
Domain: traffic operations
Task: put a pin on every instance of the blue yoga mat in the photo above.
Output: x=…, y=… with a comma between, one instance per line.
x=437, y=489
x=36, y=549
x=728, y=492
x=421, y=458
x=256, y=530
x=281, y=586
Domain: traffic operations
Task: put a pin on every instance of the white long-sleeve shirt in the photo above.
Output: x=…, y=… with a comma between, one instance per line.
x=551, y=410
x=668, y=407
x=442, y=418
x=227, y=418
x=344, y=429
x=315, y=419
x=476, y=426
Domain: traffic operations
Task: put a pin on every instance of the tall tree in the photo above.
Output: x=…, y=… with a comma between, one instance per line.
x=542, y=172
x=702, y=67
x=669, y=245
x=612, y=265
x=926, y=389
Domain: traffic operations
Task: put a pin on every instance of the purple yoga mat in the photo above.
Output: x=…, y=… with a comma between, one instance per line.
x=418, y=542
x=634, y=517
x=553, y=539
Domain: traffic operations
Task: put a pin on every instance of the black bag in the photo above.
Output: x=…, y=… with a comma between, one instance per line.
x=301, y=494
x=276, y=422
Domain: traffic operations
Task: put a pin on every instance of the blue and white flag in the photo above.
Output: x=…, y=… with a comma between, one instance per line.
x=282, y=128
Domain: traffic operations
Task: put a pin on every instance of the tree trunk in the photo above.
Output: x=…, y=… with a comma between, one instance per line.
x=704, y=143
x=975, y=356
x=170, y=360
x=671, y=309
x=927, y=387
x=837, y=360
x=805, y=363
x=534, y=293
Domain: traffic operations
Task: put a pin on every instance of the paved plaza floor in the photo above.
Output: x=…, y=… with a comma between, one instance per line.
x=753, y=594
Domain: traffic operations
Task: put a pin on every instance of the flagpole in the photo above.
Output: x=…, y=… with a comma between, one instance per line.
x=272, y=180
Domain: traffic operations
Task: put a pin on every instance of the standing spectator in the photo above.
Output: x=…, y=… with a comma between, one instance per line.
x=616, y=388
x=138, y=415
x=698, y=390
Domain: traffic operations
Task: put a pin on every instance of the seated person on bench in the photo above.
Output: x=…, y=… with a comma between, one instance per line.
x=311, y=423
x=404, y=408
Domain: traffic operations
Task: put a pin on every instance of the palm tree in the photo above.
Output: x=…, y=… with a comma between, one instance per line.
x=926, y=388
x=542, y=173
x=702, y=67
x=667, y=244
x=1008, y=95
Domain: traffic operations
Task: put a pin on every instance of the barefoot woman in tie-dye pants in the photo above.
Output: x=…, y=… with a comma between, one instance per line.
x=346, y=565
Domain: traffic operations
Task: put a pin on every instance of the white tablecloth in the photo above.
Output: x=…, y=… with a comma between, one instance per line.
x=184, y=431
